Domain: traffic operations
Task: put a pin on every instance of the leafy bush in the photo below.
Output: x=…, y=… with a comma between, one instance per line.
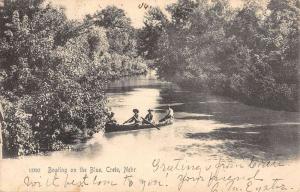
x=18, y=136
x=250, y=54
x=53, y=75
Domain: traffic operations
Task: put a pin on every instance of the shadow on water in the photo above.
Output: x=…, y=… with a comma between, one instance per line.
x=195, y=118
x=265, y=142
x=207, y=124
x=223, y=109
x=134, y=133
x=204, y=125
x=251, y=131
x=128, y=84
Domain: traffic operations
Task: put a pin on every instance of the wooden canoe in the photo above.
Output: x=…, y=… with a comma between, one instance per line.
x=117, y=128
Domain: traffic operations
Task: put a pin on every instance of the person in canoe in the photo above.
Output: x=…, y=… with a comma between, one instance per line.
x=111, y=119
x=148, y=118
x=135, y=119
x=169, y=115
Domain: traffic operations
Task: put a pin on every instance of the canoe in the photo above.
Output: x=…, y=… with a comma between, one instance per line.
x=117, y=128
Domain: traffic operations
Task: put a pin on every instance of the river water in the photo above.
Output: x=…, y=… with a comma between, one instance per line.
x=204, y=124
x=206, y=128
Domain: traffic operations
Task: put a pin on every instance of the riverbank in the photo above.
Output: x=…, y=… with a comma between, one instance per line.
x=209, y=132
x=240, y=130
x=53, y=75
x=244, y=53
x=281, y=105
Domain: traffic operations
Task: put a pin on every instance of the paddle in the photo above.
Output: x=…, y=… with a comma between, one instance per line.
x=127, y=121
x=151, y=123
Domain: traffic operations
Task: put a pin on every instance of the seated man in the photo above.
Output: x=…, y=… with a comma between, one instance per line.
x=169, y=115
x=135, y=118
x=111, y=119
x=149, y=117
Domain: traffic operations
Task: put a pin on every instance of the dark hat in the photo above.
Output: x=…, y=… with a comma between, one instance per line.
x=150, y=110
x=135, y=110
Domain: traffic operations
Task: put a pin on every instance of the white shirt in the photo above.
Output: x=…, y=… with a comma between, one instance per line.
x=171, y=112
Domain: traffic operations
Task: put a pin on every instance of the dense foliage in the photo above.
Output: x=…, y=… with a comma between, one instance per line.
x=122, y=40
x=53, y=73
x=250, y=53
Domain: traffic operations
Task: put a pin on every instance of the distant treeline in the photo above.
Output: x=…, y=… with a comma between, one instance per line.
x=54, y=71
x=250, y=54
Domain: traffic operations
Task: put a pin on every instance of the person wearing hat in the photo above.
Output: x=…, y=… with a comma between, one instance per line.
x=135, y=119
x=169, y=115
x=149, y=117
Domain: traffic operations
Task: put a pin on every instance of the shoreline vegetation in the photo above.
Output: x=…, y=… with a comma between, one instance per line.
x=54, y=71
x=250, y=54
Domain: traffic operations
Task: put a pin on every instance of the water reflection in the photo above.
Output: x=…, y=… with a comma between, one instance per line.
x=267, y=142
x=207, y=124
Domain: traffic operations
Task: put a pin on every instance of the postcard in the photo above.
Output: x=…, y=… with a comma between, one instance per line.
x=149, y=96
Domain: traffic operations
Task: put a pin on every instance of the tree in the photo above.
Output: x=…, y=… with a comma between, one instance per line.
x=50, y=90
x=282, y=36
x=24, y=7
x=182, y=10
x=250, y=54
x=112, y=17
x=155, y=23
x=122, y=38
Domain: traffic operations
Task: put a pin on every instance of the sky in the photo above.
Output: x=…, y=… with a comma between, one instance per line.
x=77, y=9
